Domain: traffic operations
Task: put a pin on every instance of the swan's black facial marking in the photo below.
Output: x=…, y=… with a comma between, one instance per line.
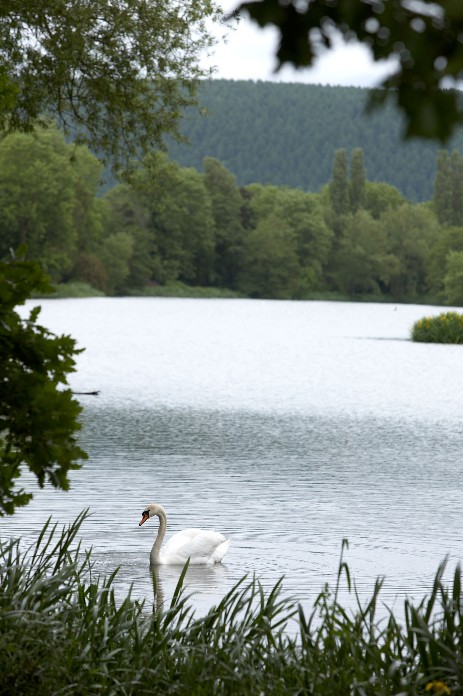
x=144, y=516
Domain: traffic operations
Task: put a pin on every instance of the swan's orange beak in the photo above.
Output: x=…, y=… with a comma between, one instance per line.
x=145, y=516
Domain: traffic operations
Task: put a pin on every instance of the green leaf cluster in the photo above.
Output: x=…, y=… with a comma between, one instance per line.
x=114, y=75
x=38, y=415
x=48, y=199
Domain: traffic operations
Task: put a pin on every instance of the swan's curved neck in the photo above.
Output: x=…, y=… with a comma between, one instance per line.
x=154, y=555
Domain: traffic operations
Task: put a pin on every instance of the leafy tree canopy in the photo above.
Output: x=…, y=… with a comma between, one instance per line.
x=425, y=38
x=47, y=197
x=113, y=73
x=454, y=278
x=38, y=418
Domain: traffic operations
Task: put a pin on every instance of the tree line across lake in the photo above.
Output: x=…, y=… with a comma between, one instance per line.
x=174, y=228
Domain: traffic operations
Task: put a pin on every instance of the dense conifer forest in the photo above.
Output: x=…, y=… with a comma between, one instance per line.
x=287, y=134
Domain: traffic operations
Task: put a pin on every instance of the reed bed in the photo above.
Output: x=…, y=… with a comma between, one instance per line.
x=447, y=327
x=62, y=632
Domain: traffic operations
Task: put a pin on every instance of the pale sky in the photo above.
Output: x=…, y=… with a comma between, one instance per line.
x=249, y=53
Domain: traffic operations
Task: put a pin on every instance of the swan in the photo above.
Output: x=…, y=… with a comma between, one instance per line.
x=201, y=546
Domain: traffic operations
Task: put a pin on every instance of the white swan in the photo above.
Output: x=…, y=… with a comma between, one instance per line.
x=199, y=545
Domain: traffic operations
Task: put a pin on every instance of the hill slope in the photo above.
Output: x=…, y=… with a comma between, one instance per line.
x=288, y=133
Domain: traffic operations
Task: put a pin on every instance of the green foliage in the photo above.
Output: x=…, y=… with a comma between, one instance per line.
x=290, y=227
x=48, y=199
x=39, y=419
x=444, y=328
x=175, y=225
x=115, y=253
x=88, y=209
x=89, y=269
x=36, y=199
x=271, y=267
x=449, y=239
x=76, y=289
x=114, y=75
x=448, y=188
x=453, y=279
x=62, y=631
x=363, y=263
x=179, y=289
x=442, y=197
x=380, y=197
x=357, y=180
x=226, y=204
x=456, y=167
x=426, y=46
x=181, y=224
x=412, y=231
x=127, y=214
x=339, y=186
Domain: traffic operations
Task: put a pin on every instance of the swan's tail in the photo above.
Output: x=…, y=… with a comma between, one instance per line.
x=220, y=551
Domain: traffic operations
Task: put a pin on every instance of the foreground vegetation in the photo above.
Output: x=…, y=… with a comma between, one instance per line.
x=62, y=632
x=39, y=418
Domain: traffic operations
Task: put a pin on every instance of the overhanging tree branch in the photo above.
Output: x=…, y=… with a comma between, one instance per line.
x=425, y=38
x=113, y=74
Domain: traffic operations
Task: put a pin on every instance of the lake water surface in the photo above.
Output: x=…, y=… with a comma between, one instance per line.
x=286, y=425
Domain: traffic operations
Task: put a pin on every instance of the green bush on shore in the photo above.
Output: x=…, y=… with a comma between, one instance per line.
x=444, y=328
x=62, y=632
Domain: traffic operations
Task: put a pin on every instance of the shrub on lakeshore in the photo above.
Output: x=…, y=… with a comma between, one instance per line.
x=444, y=328
x=63, y=632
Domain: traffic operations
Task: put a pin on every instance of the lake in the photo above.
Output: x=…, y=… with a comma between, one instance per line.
x=286, y=425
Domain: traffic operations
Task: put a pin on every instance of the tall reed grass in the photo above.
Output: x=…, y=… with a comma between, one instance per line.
x=62, y=632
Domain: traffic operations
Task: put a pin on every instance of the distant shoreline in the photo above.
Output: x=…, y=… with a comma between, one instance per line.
x=82, y=290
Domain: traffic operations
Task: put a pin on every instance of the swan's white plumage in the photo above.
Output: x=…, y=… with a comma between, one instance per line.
x=200, y=546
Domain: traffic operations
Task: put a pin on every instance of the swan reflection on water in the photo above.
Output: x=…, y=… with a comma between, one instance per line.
x=199, y=580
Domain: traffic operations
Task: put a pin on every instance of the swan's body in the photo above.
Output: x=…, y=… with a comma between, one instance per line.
x=200, y=546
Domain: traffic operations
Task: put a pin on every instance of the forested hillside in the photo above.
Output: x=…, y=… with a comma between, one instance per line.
x=266, y=132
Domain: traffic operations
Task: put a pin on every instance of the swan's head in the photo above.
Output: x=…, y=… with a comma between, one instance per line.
x=149, y=511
